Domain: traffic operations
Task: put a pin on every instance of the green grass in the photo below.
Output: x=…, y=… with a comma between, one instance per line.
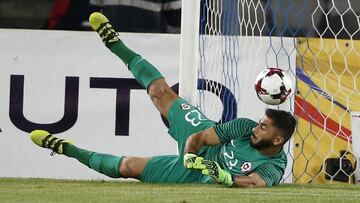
x=47, y=190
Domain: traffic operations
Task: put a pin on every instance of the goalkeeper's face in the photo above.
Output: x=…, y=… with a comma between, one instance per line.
x=265, y=135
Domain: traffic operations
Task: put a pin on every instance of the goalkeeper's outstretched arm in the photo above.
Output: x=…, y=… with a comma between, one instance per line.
x=207, y=138
x=251, y=180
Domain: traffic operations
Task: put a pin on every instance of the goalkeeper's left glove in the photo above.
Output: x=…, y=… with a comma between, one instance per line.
x=208, y=167
x=217, y=173
x=194, y=162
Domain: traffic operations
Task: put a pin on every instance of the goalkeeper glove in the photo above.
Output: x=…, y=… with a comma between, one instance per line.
x=208, y=167
x=217, y=173
x=192, y=161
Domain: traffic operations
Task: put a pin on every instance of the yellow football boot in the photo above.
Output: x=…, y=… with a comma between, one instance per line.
x=44, y=139
x=101, y=25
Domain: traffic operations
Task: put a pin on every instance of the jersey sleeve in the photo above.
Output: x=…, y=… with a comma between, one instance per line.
x=234, y=129
x=269, y=173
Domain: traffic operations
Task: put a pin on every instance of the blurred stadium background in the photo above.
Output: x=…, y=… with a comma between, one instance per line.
x=133, y=16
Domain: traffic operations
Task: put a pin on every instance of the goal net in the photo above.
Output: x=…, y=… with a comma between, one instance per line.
x=316, y=42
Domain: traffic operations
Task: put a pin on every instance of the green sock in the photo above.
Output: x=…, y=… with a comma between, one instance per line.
x=124, y=53
x=143, y=71
x=103, y=163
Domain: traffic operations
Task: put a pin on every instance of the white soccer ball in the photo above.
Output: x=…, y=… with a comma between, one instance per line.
x=273, y=86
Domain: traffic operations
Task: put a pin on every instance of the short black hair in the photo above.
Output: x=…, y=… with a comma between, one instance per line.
x=283, y=120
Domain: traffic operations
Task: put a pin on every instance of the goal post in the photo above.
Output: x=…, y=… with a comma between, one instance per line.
x=315, y=42
x=189, y=46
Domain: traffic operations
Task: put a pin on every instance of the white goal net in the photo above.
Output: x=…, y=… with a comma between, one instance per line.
x=316, y=42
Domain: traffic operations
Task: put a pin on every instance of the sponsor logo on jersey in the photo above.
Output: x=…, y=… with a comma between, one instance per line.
x=185, y=106
x=246, y=166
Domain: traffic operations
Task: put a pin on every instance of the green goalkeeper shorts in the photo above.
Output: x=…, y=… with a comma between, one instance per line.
x=184, y=120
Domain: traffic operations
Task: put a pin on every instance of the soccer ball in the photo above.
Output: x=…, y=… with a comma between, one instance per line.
x=273, y=86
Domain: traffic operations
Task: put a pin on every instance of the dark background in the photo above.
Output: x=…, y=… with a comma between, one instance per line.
x=304, y=18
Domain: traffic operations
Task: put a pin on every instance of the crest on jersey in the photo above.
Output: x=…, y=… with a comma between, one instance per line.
x=246, y=166
x=185, y=106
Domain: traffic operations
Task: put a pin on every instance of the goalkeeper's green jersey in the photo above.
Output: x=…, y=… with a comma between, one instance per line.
x=239, y=158
x=234, y=154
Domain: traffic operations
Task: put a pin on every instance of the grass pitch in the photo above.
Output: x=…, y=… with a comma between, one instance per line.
x=47, y=190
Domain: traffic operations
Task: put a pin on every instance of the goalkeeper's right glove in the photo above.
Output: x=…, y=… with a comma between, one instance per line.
x=217, y=173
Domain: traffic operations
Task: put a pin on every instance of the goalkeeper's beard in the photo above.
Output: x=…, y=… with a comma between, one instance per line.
x=261, y=144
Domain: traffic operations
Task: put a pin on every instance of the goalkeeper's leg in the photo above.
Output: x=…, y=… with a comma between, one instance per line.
x=107, y=164
x=145, y=73
x=167, y=169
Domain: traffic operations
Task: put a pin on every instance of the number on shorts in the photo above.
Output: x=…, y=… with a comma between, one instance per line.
x=196, y=119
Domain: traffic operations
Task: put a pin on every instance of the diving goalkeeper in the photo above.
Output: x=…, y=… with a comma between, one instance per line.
x=239, y=153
